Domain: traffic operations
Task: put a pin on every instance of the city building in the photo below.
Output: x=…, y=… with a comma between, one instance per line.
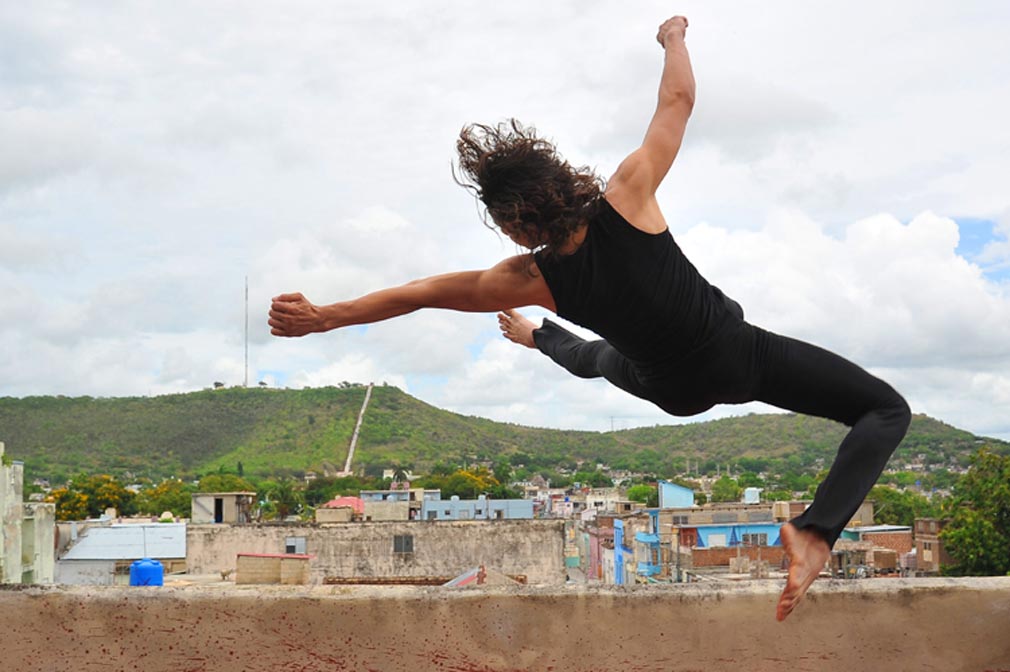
x=377, y=552
x=27, y=530
x=223, y=507
x=930, y=554
x=482, y=508
x=102, y=555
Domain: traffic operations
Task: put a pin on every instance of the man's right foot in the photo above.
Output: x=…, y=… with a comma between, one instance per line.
x=516, y=328
x=807, y=552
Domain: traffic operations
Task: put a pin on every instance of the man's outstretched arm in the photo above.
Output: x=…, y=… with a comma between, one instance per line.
x=505, y=285
x=641, y=173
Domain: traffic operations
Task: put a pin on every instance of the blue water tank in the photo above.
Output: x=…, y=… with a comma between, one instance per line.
x=147, y=572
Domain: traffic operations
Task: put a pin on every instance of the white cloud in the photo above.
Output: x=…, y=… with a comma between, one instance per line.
x=155, y=155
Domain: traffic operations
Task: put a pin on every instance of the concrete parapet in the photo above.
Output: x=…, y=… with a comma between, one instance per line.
x=956, y=625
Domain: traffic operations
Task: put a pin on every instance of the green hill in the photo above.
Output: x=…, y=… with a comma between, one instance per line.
x=276, y=432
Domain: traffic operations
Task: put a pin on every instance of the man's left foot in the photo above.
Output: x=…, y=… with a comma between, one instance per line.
x=807, y=552
x=516, y=328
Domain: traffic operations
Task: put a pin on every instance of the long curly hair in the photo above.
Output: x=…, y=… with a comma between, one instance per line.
x=524, y=184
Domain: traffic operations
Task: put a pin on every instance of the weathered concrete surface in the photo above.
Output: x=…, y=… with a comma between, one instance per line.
x=892, y=625
x=534, y=548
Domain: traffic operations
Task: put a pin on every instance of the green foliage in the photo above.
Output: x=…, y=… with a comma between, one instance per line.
x=978, y=534
x=322, y=490
x=892, y=507
x=592, y=479
x=169, y=495
x=749, y=479
x=468, y=484
x=502, y=471
x=274, y=433
x=89, y=497
x=726, y=490
x=70, y=504
x=225, y=483
x=644, y=493
x=284, y=498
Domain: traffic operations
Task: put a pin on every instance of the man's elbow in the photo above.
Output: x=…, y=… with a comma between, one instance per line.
x=678, y=96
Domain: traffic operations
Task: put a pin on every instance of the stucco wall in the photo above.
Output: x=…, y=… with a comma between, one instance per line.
x=86, y=572
x=386, y=511
x=38, y=552
x=845, y=626
x=534, y=548
x=11, y=513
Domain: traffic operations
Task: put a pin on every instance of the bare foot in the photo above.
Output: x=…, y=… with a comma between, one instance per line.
x=807, y=552
x=516, y=328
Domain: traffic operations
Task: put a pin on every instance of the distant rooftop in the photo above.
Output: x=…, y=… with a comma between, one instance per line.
x=130, y=542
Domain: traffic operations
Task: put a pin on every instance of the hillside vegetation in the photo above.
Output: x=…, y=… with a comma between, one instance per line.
x=274, y=432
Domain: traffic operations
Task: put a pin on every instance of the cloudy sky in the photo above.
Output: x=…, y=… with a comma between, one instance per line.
x=844, y=177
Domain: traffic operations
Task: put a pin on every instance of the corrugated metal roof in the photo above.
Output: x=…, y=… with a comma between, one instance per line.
x=880, y=528
x=130, y=542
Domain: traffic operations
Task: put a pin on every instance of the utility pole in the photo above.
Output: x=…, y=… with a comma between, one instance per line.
x=246, y=382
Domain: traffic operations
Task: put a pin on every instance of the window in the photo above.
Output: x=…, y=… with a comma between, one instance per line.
x=403, y=544
x=757, y=539
x=680, y=520
x=432, y=515
x=294, y=545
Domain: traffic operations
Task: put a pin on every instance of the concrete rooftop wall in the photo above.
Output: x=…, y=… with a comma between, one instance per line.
x=534, y=548
x=893, y=625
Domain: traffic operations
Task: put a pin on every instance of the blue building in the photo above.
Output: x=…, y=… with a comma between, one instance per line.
x=673, y=496
x=650, y=565
x=622, y=553
x=737, y=534
x=651, y=548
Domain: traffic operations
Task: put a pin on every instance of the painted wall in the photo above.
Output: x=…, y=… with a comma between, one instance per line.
x=477, y=509
x=534, y=548
x=673, y=496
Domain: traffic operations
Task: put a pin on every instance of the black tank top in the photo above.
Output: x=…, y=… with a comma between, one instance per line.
x=637, y=290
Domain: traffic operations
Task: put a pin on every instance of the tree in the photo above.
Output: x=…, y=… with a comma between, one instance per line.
x=892, y=507
x=749, y=479
x=90, y=496
x=70, y=504
x=978, y=534
x=284, y=497
x=644, y=493
x=592, y=479
x=726, y=490
x=502, y=471
x=169, y=495
x=225, y=483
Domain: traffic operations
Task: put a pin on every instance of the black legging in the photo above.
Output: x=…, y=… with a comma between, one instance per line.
x=746, y=363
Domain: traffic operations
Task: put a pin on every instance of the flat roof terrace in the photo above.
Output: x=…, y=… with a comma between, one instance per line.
x=880, y=624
